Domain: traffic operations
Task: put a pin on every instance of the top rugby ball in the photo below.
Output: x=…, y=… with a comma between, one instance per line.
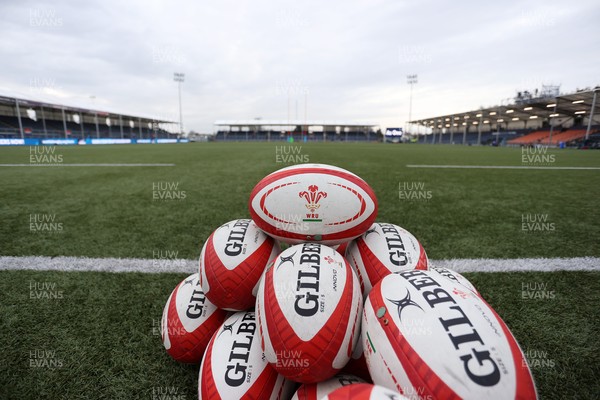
x=430, y=337
x=232, y=261
x=313, y=203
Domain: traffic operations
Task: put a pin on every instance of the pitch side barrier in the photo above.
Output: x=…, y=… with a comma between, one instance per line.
x=70, y=142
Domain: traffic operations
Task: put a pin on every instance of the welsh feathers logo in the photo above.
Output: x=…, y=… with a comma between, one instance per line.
x=460, y=293
x=312, y=197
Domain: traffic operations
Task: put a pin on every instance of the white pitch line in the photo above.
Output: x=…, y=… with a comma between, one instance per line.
x=87, y=165
x=498, y=167
x=42, y=263
x=520, y=264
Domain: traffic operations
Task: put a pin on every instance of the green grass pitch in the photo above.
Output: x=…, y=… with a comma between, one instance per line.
x=103, y=331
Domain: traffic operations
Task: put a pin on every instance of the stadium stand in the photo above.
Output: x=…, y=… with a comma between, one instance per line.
x=487, y=138
x=295, y=130
x=532, y=138
x=543, y=137
x=31, y=119
x=593, y=142
x=529, y=118
x=225, y=136
x=568, y=136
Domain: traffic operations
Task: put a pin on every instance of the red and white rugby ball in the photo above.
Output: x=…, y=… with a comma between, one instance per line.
x=234, y=366
x=309, y=307
x=382, y=250
x=316, y=391
x=313, y=203
x=364, y=391
x=189, y=320
x=232, y=262
x=466, y=350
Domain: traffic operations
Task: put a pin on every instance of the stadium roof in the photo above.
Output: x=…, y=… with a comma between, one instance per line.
x=291, y=122
x=8, y=99
x=523, y=109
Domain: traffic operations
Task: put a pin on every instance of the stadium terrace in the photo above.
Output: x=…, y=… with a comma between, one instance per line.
x=34, y=122
x=543, y=117
x=295, y=130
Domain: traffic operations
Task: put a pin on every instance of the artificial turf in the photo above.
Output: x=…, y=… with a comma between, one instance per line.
x=114, y=212
x=100, y=339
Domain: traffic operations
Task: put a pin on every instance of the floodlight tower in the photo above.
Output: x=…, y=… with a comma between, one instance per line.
x=179, y=77
x=411, y=80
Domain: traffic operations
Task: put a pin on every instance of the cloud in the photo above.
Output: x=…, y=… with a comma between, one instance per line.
x=245, y=59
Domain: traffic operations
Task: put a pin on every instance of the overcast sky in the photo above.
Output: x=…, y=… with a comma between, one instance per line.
x=245, y=59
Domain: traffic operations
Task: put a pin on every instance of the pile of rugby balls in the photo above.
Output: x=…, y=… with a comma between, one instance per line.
x=351, y=309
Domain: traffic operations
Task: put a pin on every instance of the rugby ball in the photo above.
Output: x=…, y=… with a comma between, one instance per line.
x=464, y=351
x=309, y=305
x=454, y=277
x=316, y=391
x=382, y=250
x=232, y=261
x=234, y=366
x=188, y=321
x=313, y=203
x=364, y=391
